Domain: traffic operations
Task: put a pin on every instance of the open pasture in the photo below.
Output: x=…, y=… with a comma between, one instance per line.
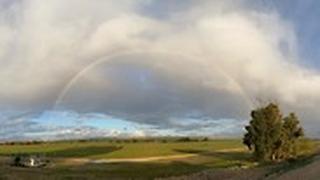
x=140, y=158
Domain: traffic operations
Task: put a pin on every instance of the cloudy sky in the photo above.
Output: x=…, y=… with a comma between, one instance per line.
x=89, y=68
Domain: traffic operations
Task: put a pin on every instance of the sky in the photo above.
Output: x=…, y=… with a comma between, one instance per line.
x=136, y=68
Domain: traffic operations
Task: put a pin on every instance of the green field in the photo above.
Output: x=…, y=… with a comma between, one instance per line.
x=207, y=155
x=105, y=149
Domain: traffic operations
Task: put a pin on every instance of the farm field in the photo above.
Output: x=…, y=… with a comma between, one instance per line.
x=121, y=149
x=130, y=159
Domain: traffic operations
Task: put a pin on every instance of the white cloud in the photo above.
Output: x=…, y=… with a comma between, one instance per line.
x=210, y=57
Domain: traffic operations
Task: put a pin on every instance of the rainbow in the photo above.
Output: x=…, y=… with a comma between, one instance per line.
x=107, y=58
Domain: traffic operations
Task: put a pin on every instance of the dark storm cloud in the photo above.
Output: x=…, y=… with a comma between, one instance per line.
x=151, y=94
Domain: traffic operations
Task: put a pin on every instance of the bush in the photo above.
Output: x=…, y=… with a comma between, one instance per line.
x=17, y=160
x=184, y=139
x=205, y=139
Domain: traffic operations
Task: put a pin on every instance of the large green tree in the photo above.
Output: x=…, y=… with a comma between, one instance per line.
x=271, y=136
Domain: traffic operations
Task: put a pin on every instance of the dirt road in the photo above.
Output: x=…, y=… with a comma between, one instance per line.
x=124, y=160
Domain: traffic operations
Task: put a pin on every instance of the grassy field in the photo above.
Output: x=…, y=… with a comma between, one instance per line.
x=106, y=149
x=207, y=155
